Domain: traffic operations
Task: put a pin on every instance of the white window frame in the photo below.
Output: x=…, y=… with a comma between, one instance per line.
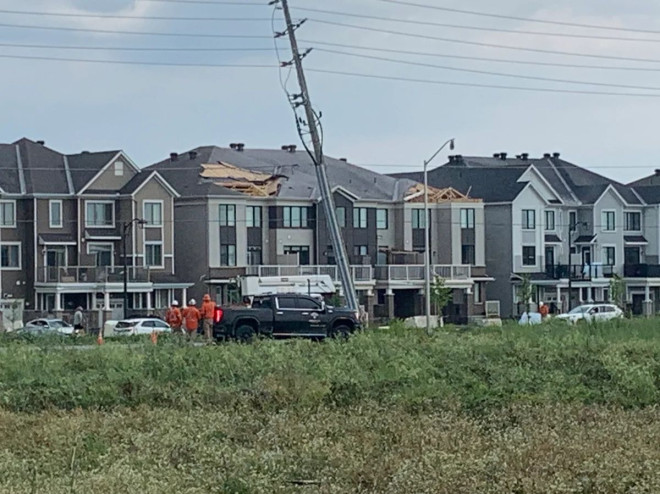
x=20, y=256
x=118, y=167
x=302, y=220
x=88, y=225
x=378, y=218
x=151, y=202
x=340, y=212
x=149, y=243
x=525, y=219
x=13, y=222
x=358, y=249
x=536, y=256
x=625, y=221
x=468, y=218
x=603, y=219
x=554, y=220
x=418, y=218
x=360, y=220
x=253, y=220
x=573, y=225
x=229, y=265
x=53, y=247
x=109, y=244
x=227, y=221
x=604, y=254
x=51, y=203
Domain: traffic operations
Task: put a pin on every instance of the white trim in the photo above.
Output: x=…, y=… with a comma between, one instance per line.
x=50, y=213
x=20, y=256
x=8, y=201
x=523, y=218
x=603, y=224
x=164, y=183
x=96, y=201
x=107, y=166
x=545, y=218
x=162, y=254
x=545, y=182
x=345, y=192
x=45, y=255
x=602, y=254
x=112, y=251
x=641, y=217
x=172, y=225
x=162, y=212
x=616, y=192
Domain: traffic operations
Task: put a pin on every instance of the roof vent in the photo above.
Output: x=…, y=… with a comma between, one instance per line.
x=503, y=156
x=174, y=156
x=657, y=172
x=41, y=142
x=556, y=155
x=192, y=155
x=85, y=152
x=239, y=146
x=458, y=157
x=547, y=155
x=496, y=155
x=525, y=156
x=233, y=145
x=291, y=148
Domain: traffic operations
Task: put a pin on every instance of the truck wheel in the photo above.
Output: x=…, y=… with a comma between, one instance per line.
x=244, y=333
x=341, y=332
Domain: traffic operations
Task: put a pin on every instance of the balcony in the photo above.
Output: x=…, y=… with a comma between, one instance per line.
x=361, y=274
x=579, y=272
x=641, y=271
x=415, y=272
x=91, y=274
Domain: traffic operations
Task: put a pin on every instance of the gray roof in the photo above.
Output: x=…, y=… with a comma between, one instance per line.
x=297, y=168
x=85, y=166
x=650, y=193
x=9, y=181
x=638, y=239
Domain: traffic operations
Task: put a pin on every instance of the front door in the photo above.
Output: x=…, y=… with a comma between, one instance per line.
x=586, y=256
x=550, y=261
x=632, y=256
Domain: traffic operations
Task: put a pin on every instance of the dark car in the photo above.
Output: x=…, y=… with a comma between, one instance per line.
x=284, y=316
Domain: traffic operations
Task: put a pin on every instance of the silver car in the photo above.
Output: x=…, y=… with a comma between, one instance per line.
x=136, y=326
x=48, y=326
x=592, y=313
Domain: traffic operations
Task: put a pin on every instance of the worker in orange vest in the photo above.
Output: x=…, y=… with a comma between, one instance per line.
x=543, y=310
x=174, y=318
x=191, y=316
x=208, y=310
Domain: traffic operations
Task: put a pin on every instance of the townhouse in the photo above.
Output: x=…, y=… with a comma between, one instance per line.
x=68, y=222
x=566, y=228
x=243, y=211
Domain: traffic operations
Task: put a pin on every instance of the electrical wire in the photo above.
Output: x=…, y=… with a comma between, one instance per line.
x=130, y=48
x=132, y=17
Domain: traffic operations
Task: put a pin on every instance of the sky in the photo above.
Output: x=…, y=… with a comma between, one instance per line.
x=388, y=125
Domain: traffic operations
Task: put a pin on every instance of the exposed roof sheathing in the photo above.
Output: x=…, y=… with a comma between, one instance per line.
x=436, y=195
x=248, y=182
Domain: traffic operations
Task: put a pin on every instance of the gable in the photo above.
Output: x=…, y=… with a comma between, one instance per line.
x=541, y=185
x=610, y=198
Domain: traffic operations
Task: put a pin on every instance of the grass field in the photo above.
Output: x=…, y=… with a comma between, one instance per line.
x=543, y=410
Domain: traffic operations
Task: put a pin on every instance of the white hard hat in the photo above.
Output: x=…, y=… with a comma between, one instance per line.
x=192, y=301
x=175, y=302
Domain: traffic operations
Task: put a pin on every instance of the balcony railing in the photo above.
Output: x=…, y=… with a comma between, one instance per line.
x=415, y=272
x=641, y=271
x=91, y=274
x=579, y=272
x=360, y=273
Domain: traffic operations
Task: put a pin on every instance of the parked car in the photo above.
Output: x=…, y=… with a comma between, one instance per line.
x=48, y=326
x=592, y=313
x=284, y=315
x=141, y=325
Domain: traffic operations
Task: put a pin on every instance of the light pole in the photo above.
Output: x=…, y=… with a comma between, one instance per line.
x=572, y=228
x=125, y=230
x=427, y=250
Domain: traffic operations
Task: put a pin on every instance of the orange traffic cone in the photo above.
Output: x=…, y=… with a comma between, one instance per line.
x=154, y=337
x=99, y=339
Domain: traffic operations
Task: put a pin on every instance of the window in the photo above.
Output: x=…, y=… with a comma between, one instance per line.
x=528, y=219
x=360, y=250
x=308, y=304
x=549, y=220
x=8, y=213
x=418, y=218
x=633, y=222
x=153, y=254
x=381, y=258
x=56, y=256
x=529, y=256
x=467, y=254
x=609, y=222
x=302, y=251
x=572, y=220
x=10, y=256
x=467, y=218
x=227, y=215
x=119, y=168
x=227, y=255
x=55, y=213
x=253, y=216
x=102, y=254
x=359, y=217
x=286, y=302
x=341, y=216
x=295, y=217
x=478, y=293
x=609, y=256
x=101, y=214
x=382, y=220
x=153, y=213
x=254, y=256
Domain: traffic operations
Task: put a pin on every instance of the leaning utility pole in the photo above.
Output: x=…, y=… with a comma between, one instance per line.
x=321, y=173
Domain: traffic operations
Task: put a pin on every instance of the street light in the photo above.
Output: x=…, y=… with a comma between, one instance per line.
x=427, y=250
x=125, y=230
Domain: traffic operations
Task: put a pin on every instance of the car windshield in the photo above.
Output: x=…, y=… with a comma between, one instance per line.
x=57, y=323
x=580, y=309
x=125, y=324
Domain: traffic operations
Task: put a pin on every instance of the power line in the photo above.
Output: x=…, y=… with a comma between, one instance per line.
x=131, y=17
x=475, y=28
x=523, y=19
x=476, y=43
x=129, y=48
x=485, y=72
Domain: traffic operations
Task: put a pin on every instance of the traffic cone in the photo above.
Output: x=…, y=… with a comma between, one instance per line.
x=154, y=337
x=99, y=339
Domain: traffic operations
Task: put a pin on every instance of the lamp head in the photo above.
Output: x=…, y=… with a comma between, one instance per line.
x=451, y=145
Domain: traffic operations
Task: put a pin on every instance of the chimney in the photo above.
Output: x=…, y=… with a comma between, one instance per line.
x=657, y=172
x=556, y=155
x=503, y=156
x=240, y=146
x=41, y=142
x=174, y=157
x=233, y=145
x=525, y=156
x=343, y=159
x=292, y=148
x=192, y=155
x=458, y=157
x=496, y=155
x=547, y=155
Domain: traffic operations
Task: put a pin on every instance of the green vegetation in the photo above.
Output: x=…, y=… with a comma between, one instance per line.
x=541, y=409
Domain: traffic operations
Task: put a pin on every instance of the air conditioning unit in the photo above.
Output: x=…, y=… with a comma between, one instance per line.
x=492, y=308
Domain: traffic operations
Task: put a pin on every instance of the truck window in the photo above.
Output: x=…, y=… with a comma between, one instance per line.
x=286, y=302
x=262, y=303
x=308, y=303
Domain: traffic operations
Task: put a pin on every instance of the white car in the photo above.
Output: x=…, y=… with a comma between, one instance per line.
x=48, y=326
x=137, y=326
x=592, y=313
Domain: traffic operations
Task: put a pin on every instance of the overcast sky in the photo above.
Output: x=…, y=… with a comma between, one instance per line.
x=150, y=110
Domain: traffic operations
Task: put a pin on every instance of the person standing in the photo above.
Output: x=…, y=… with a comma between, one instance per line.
x=208, y=310
x=79, y=321
x=191, y=316
x=174, y=318
x=543, y=310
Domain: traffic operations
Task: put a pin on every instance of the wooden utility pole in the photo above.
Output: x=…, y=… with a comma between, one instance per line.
x=321, y=173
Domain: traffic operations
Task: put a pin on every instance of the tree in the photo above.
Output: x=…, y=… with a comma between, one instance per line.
x=618, y=291
x=525, y=291
x=440, y=295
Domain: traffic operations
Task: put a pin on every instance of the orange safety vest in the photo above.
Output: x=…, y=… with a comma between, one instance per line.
x=174, y=317
x=192, y=316
x=208, y=308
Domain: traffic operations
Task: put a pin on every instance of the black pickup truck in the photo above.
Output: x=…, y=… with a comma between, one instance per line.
x=284, y=315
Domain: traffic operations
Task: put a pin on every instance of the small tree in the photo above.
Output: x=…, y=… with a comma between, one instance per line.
x=618, y=291
x=524, y=291
x=440, y=295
